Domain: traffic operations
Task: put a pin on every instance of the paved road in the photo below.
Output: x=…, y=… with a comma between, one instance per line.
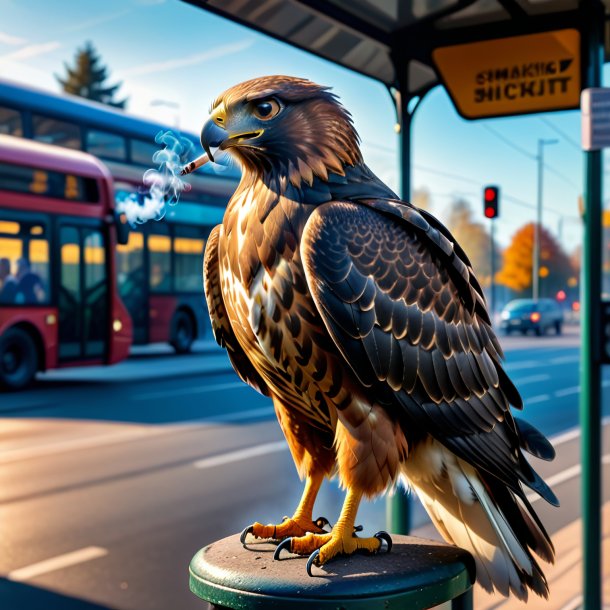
x=112, y=478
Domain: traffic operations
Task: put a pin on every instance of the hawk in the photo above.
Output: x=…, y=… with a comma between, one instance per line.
x=361, y=318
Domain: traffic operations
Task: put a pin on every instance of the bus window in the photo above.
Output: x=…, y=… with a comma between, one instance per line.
x=10, y=122
x=60, y=133
x=160, y=247
x=142, y=152
x=132, y=283
x=106, y=145
x=95, y=295
x=188, y=258
x=24, y=263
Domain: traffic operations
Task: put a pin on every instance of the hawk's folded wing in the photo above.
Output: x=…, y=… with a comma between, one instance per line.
x=221, y=327
x=405, y=310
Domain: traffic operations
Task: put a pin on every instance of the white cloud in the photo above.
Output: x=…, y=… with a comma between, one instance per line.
x=91, y=23
x=11, y=40
x=32, y=50
x=188, y=60
x=28, y=75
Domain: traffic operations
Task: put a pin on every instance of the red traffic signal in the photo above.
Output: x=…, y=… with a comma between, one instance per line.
x=491, y=201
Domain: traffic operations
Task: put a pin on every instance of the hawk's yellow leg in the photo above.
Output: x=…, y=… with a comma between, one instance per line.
x=300, y=523
x=341, y=541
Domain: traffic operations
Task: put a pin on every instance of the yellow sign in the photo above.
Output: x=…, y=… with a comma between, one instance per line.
x=505, y=76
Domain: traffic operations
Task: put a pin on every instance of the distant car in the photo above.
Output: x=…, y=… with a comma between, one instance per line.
x=539, y=316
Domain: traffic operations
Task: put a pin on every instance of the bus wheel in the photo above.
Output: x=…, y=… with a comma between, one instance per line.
x=18, y=359
x=183, y=332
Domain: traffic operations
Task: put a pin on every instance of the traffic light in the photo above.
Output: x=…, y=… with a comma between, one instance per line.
x=491, y=201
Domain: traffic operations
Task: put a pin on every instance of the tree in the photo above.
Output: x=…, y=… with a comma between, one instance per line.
x=421, y=198
x=87, y=78
x=555, y=265
x=473, y=237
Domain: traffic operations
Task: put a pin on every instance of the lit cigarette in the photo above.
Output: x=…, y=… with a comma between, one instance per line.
x=196, y=164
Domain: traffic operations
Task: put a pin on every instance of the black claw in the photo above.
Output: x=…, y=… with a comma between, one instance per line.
x=285, y=544
x=244, y=534
x=312, y=559
x=358, y=528
x=322, y=522
x=384, y=537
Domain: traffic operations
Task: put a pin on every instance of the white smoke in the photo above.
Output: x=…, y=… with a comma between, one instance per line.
x=162, y=186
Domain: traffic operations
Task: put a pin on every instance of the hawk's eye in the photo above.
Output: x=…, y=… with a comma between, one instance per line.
x=266, y=109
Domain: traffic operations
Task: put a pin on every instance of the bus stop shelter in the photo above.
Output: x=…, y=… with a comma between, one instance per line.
x=496, y=58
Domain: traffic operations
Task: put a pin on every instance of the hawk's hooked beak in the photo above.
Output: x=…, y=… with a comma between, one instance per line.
x=212, y=136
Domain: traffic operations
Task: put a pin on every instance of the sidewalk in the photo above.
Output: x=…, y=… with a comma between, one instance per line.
x=151, y=362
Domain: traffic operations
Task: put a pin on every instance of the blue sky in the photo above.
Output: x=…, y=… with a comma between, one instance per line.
x=168, y=50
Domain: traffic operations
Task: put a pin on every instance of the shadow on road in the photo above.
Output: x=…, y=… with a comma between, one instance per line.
x=19, y=596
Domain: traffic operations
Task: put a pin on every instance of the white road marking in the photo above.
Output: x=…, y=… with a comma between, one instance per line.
x=565, y=359
x=567, y=391
x=202, y=389
x=572, y=433
x=240, y=454
x=57, y=563
x=26, y=453
x=527, y=364
x=565, y=475
x=535, y=399
x=531, y=379
x=231, y=417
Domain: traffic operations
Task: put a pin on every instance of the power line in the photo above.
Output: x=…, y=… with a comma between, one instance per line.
x=438, y=172
x=562, y=133
x=508, y=142
x=524, y=152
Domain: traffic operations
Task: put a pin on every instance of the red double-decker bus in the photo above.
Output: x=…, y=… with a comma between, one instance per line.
x=59, y=301
x=159, y=268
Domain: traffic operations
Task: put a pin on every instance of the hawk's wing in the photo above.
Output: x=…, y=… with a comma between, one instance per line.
x=405, y=310
x=221, y=327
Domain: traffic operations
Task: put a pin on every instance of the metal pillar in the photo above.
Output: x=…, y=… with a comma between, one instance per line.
x=590, y=359
x=492, y=283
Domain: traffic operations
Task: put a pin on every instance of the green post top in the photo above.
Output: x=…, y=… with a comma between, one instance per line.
x=416, y=574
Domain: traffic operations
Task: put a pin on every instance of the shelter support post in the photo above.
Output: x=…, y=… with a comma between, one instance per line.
x=590, y=377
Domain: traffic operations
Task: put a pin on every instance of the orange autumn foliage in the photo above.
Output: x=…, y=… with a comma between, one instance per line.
x=516, y=271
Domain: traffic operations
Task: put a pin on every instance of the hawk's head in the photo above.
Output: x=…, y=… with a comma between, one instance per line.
x=283, y=124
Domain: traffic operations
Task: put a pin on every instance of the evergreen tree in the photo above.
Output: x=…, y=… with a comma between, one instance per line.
x=87, y=78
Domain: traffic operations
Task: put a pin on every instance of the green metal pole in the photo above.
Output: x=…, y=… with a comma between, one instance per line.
x=590, y=374
x=398, y=506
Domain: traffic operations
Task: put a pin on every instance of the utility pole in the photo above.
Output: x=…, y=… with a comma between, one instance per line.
x=536, y=249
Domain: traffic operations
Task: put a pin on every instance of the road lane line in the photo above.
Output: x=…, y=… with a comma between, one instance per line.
x=26, y=453
x=57, y=563
x=527, y=364
x=531, y=379
x=565, y=359
x=564, y=475
x=567, y=391
x=536, y=399
x=572, y=433
x=230, y=417
x=202, y=389
x=240, y=454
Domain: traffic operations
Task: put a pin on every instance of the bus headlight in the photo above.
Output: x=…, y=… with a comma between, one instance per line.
x=117, y=326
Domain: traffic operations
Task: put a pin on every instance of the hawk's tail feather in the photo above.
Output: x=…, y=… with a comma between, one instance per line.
x=484, y=517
